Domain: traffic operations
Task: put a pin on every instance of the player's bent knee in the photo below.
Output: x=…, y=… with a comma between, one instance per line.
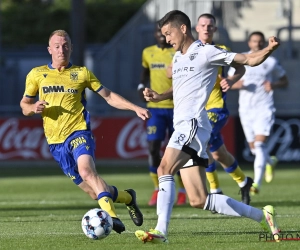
x=221, y=155
x=197, y=203
x=222, y=158
x=164, y=170
x=84, y=174
x=87, y=172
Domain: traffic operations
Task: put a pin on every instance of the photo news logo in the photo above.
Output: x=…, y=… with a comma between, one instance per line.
x=279, y=237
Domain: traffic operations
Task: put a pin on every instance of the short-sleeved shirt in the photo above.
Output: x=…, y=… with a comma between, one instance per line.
x=157, y=60
x=253, y=95
x=194, y=76
x=64, y=91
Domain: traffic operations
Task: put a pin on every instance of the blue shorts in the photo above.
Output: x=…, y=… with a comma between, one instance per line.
x=218, y=118
x=66, y=153
x=160, y=122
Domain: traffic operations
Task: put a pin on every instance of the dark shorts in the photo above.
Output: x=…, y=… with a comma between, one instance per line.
x=67, y=153
x=218, y=119
x=160, y=122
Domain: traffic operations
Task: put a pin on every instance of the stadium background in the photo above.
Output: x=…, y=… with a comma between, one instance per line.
x=117, y=63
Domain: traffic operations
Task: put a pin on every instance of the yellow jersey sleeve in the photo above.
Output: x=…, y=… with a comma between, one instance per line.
x=217, y=97
x=157, y=60
x=145, y=63
x=92, y=82
x=31, y=85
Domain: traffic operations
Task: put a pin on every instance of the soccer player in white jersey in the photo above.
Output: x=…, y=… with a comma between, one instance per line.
x=195, y=69
x=218, y=115
x=256, y=107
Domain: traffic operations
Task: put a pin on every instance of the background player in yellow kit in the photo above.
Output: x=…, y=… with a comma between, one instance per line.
x=61, y=89
x=155, y=60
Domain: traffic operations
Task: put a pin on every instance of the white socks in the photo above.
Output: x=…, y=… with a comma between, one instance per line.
x=228, y=206
x=260, y=161
x=165, y=201
x=214, y=202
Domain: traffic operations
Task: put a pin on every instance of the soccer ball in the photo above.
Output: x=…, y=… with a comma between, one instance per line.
x=96, y=224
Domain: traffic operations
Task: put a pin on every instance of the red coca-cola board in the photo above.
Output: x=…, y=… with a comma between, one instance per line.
x=116, y=138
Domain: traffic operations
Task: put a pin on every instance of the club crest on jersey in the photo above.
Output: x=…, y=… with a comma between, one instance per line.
x=193, y=56
x=74, y=76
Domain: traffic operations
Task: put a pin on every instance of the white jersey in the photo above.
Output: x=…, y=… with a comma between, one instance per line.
x=253, y=95
x=194, y=75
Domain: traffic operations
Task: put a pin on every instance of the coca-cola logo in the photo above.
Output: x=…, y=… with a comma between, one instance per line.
x=132, y=140
x=22, y=141
x=284, y=141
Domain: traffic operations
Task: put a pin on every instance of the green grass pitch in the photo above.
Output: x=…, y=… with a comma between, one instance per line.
x=40, y=208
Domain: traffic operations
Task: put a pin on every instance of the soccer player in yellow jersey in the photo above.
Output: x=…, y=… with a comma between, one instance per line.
x=218, y=115
x=155, y=60
x=61, y=103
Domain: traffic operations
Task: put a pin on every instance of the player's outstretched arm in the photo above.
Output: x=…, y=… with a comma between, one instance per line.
x=256, y=58
x=30, y=108
x=119, y=102
x=152, y=96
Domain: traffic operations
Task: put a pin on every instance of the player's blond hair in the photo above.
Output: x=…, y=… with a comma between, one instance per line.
x=60, y=33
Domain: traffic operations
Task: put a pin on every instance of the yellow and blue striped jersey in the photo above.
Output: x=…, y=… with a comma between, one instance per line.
x=157, y=60
x=64, y=91
x=217, y=97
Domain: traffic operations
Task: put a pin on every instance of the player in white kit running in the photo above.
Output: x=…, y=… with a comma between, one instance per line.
x=195, y=69
x=256, y=107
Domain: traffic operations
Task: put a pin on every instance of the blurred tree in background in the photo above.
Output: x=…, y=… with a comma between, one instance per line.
x=31, y=21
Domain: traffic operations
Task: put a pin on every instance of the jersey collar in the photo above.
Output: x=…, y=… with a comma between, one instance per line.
x=212, y=43
x=68, y=66
x=194, y=44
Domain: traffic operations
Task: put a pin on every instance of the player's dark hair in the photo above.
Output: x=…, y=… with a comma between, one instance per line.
x=257, y=33
x=176, y=18
x=209, y=16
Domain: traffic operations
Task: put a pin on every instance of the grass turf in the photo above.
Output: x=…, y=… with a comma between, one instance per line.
x=41, y=209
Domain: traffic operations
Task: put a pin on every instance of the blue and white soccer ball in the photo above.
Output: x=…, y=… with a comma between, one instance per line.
x=97, y=224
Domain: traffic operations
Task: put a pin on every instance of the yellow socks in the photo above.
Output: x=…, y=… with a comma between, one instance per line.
x=154, y=178
x=107, y=204
x=237, y=174
x=123, y=197
x=212, y=177
x=213, y=180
